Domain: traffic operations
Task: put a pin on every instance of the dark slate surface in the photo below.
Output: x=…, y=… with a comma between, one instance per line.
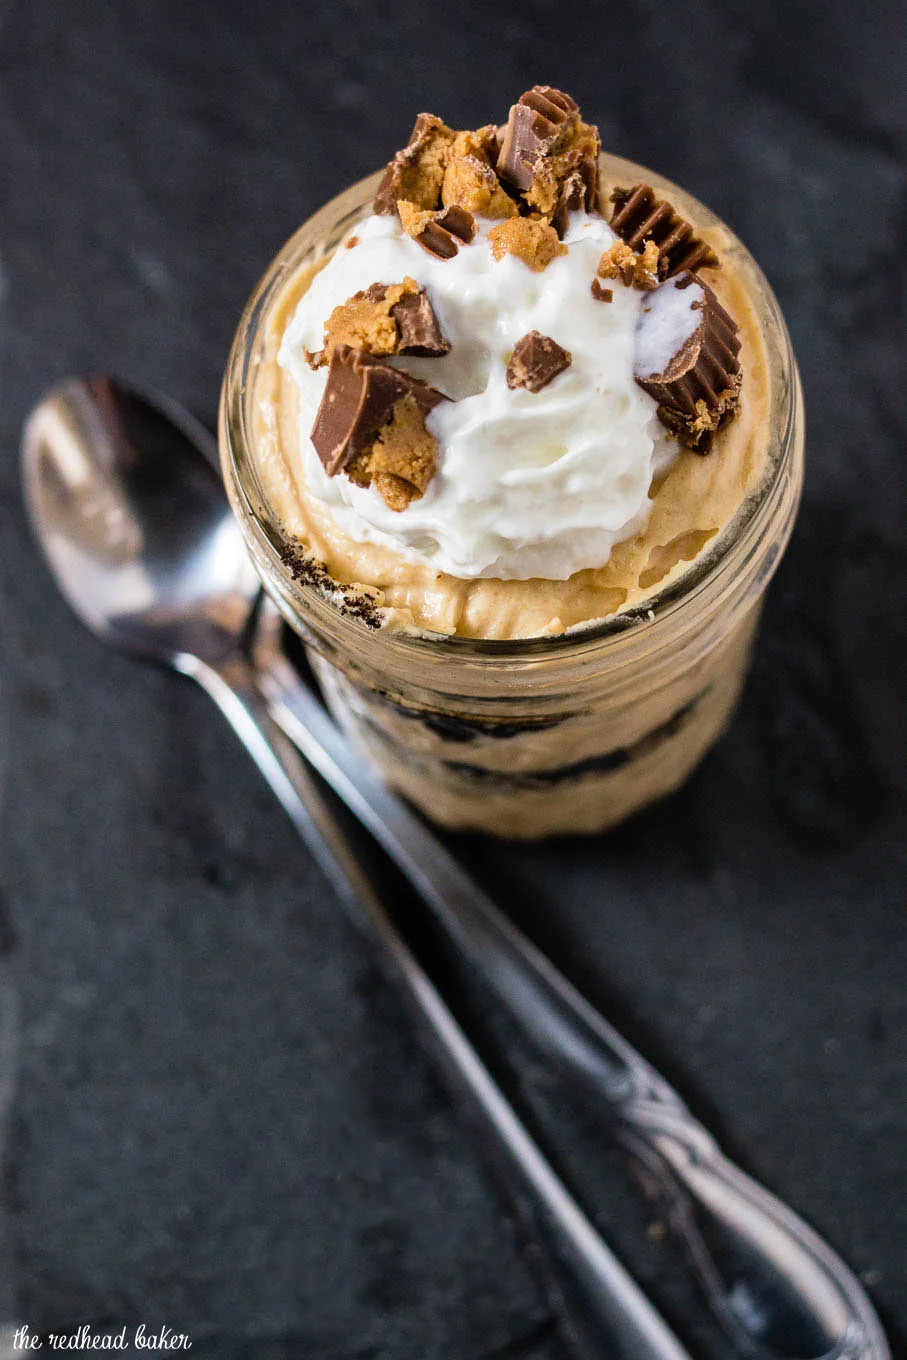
x=221, y=1120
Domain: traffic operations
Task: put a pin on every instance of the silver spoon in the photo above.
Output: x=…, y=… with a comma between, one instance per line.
x=131, y=515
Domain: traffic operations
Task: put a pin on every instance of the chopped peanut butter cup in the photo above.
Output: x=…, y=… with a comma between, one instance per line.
x=538, y=121
x=699, y=388
x=417, y=172
x=471, y=183
x=640, y=217
x=620, y=261
x=440, y=233
x=535, y=361
x=383, y=319
x=367, y=414
x=550, y=154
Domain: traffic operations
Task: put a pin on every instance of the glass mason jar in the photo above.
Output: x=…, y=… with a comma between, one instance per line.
x=534, y=736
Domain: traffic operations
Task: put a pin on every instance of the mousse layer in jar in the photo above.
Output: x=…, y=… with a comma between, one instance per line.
x=530, y=764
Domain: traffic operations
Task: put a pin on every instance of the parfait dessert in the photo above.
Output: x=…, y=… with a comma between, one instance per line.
x=514, y=433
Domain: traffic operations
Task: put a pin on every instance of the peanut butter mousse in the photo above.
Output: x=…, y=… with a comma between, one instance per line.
x=522, y=395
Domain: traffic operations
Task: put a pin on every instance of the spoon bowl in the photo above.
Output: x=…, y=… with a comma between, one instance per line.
x=125, y=498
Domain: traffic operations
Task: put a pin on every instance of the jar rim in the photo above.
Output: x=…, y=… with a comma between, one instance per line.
x=270, y=545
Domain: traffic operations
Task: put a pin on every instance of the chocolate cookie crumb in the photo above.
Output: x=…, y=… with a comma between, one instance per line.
x=535, y=361
x=357, y=602
x=532, y=240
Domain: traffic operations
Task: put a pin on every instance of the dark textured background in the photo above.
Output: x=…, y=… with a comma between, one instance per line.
x=220, y=1118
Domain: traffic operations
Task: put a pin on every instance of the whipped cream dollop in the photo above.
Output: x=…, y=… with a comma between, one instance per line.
x=527, y=484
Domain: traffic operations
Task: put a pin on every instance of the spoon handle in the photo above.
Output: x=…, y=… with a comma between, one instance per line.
x=777, y=1288
x=604, y=1311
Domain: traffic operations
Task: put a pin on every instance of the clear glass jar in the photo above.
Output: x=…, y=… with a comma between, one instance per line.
x=536, y=736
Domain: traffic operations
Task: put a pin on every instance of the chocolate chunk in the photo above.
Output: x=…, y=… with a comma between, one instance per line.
x=384, y=204
x=420, y=332
x=639, y=217
x=536, y=359
x=699, y=388
x=579, y=190
x=600, y=293
x=358, y=402
x=440, y=233
x=536, y=123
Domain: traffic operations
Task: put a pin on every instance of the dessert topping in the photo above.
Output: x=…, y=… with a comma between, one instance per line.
x=417, y=172
x=544, y=161
x=395, y=318
x=472, y=184
x=440, y=233
x=600, y=293
x=698, y=388
x=536, y=359
x=442, y=169
x=401, y=461
x=481, y=142
x=550, y=154
x=420, y=332
x=531, y=239
x=639, y=217
x=541, y=118
x=620, y=261
x=371, y=425
x=579, y=188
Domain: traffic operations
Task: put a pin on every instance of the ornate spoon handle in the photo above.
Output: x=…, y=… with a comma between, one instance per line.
x=779, y=1290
